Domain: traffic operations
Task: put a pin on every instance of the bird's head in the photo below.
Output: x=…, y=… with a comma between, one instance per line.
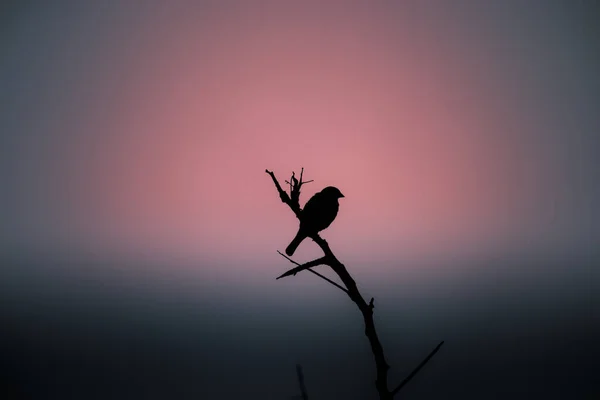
x=332, y=192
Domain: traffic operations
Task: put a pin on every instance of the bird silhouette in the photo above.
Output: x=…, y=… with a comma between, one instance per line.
x=318, y=213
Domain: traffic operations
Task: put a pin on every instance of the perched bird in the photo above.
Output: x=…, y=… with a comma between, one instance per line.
x=318, y=213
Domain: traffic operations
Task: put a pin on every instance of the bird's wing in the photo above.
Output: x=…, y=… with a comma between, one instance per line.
x=318, y=213
x=312, y=206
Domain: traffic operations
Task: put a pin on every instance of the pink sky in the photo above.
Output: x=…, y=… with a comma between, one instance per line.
x=429, y=141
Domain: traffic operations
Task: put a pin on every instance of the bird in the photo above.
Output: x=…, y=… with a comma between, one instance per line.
x=318, y=213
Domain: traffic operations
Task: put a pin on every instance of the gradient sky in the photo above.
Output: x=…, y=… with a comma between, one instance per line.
x=463, y=134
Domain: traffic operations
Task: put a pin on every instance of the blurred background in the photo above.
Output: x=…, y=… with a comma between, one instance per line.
x=139, y=230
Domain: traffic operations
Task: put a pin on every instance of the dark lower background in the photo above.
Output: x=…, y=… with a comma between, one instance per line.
x=85, y=327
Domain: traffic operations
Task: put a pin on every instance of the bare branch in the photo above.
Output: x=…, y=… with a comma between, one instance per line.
x=381, y=383
x=316, y=273
x=295, y=188
x=301, y=182
x=414, y=372
x=303, y=392
x=354, y=294
x=291, y=187
x=284, y=196
x=302, y=267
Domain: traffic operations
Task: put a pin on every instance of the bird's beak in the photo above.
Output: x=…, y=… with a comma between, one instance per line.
x=341, y=195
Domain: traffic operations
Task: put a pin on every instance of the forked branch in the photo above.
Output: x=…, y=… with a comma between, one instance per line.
x=314, y=272
x=302, y=267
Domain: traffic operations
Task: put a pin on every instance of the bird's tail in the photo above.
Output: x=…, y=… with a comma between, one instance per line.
x=300, y=236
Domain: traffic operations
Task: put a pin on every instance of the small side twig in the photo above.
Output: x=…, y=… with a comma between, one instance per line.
x=303, y=392
x=315, y=272
x=305, y=266
x=301, y=173
x=414, y=372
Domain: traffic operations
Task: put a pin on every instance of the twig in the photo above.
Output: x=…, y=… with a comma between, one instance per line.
x=302, y=267
x=414, y=372
x=316, y=273
x=282, y=194
x=303, y=392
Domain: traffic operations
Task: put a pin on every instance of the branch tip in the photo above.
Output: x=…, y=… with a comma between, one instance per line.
x=414, y=372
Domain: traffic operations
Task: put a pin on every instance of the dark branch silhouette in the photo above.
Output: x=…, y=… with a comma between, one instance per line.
x=414, y=372
x=302, y=267
x=319, y=216
x=314, y=272
x=303, y=393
